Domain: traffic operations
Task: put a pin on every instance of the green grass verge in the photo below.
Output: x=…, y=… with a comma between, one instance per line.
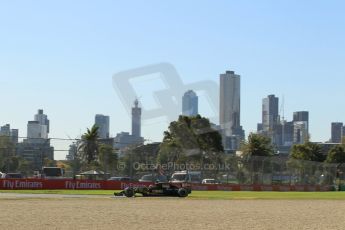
x=220, y=195
x=209, y=195
x=62, y=192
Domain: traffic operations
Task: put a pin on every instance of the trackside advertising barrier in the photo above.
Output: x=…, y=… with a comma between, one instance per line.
x=32, y=184
x=66, y=184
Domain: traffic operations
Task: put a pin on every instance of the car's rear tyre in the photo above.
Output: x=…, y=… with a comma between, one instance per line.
x=129, y=192
x=144, y=191
x=182, y=192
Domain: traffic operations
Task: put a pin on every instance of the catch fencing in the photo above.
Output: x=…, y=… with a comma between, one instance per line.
x=277, y=171
x=70, y=184
x=256, y=170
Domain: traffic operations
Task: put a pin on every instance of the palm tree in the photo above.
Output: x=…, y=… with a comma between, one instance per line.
x=88, y=148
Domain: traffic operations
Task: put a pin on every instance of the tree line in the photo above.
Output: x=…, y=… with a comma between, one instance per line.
x=188, y=141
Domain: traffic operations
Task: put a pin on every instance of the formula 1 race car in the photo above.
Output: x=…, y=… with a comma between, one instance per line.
x=159, y=189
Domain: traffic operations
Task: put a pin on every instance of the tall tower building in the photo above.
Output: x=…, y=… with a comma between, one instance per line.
x=36, y=131
x=39, y=128
x=5, y=130
x=270, y=113
x=288, y=130
x=125, y=139
x=12, y=133
x=271, y=126
x=190, y=103
x=42, y=119
x=337, y=132
x=103, y=125
x=302, y=116
x=136, y=119
x=230, y=110
x=36, y=148
x=300, y=134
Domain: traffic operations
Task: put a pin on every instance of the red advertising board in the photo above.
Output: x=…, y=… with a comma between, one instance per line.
x=66, y=184
x=22, y=184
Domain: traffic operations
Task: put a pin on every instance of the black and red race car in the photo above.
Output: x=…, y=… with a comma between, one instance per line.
x=158, y=189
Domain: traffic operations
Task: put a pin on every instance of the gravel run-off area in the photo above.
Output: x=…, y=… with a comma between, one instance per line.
x=168, y=213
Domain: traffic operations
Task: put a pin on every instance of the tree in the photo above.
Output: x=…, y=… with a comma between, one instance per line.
x=25, y=167
x=138, y=158
x=49, y=162
x=170, y=149
x=306, y=162
x=8, y=161
x=107, y=158
x=308, y=151
x=257, y=145
x=10, y=164
x=191, y=140
x=88, y=148
x=336, y=154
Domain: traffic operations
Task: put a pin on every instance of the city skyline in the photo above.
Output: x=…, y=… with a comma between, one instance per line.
x=40, y=127
x=53, y=56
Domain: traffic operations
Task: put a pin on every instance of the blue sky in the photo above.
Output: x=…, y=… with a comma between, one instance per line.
x=60, y=56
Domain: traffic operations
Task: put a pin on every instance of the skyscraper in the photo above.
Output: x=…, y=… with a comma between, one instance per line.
x=42, y=119
x=12, y=133
x=230, y=109
x=39, y=128
x=270, y=113
x=5, y=130
x=36, y=148
x=337, y=132
x=36, y=131
x=301, y=127
x=102, y=122
x=136, y=119
x=302, y=116
x=190, y=103
x=300, y=134
x=124, y=139
x=288, y=130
